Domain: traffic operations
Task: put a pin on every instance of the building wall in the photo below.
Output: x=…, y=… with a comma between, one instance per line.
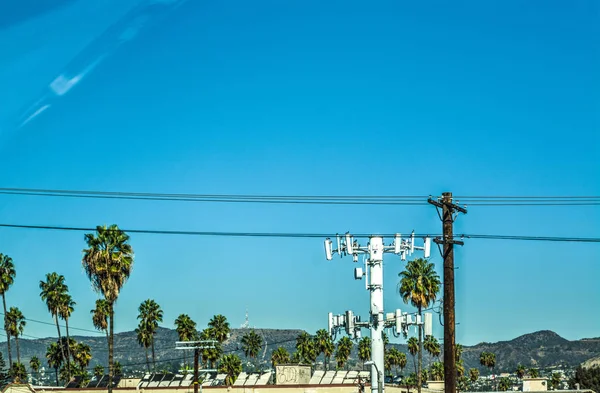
x=535, y=384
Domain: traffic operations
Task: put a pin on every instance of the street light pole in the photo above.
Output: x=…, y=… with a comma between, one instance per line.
x=379, y=374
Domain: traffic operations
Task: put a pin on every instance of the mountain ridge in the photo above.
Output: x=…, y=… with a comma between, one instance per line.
x=543, y=348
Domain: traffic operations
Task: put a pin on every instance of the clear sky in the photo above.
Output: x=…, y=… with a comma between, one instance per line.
x=304, y=98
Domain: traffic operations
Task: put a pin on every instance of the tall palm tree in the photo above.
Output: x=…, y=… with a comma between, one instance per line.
x=16, y=325
x=7, y=278
x=364, y=350
x=150, y=314
x=53, y=291
x=488, y=359
x=419, y=285
x=413, y=348
x=66, y=307
x=144, y=338
x=54, y=358
x=533, y=372
x=473, y=374
x=34, y=365
x=432, y=346
x=324, y=345
x=280, y=356
x=220, y=328
x=107, y=262
x=344, y=349
x=231, y=366
x=252, y=344
x=186, y=330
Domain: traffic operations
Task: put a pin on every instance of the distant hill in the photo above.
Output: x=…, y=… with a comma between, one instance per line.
x=539, y=349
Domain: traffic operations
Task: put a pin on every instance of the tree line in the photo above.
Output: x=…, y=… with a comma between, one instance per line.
x=108, y=261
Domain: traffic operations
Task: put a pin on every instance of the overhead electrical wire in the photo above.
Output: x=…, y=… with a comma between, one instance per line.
x=300, y=235
x=414, y=200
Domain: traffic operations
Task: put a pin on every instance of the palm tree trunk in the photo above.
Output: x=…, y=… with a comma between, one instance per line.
x=6, y=330
x=68, y=349
x=153, y=356
x=111, y=337
x=147, y=360
x=60, y=344
x=56, y=374
x=419, y=382
x=18, y=352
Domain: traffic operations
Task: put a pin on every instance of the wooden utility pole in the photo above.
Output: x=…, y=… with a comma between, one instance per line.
x=196, y=346
x=196, y=356
x=447, y=217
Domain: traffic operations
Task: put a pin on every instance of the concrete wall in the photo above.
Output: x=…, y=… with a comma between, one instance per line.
x=535, y=384
x=293, y=375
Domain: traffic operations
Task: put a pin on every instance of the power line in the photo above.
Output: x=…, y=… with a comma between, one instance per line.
x=298, y=235
x=308, y=199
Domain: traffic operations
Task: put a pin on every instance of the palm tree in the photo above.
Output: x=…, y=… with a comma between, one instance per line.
x=306, y=348
x=16, y=325
x=53, y=290
x=413, y=348
x=324, y=345
x=210, y=355
x=280, y=356
x=186, y=330
x=98, y=370
x=364, y=350
x=396, y=358
x=65, y=309
x=220, y=328
x=344, y=349
x=437, y=371
x=432, y=346
x=144, y=338
x=107, y=262
x=82, y=355
x=54, y=358
x=533, y=373
x=150, y=314
x=473, y=374
x=504, y=384
x=487, y=359
x=555, y=381
x=18, y=372
x=34, y=365
x=118, y=368
x=520, y=371
x=419, y=285
x=100, y=317
x=252, y=343
x=231, y=365
x=7, y=278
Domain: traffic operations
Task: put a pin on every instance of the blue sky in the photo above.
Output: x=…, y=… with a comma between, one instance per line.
x=304, y=98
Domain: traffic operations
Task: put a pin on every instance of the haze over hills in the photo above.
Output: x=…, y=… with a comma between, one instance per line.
x=539, y=349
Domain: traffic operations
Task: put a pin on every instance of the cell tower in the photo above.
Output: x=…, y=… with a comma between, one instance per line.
x=246, y=324
x=378, y=321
